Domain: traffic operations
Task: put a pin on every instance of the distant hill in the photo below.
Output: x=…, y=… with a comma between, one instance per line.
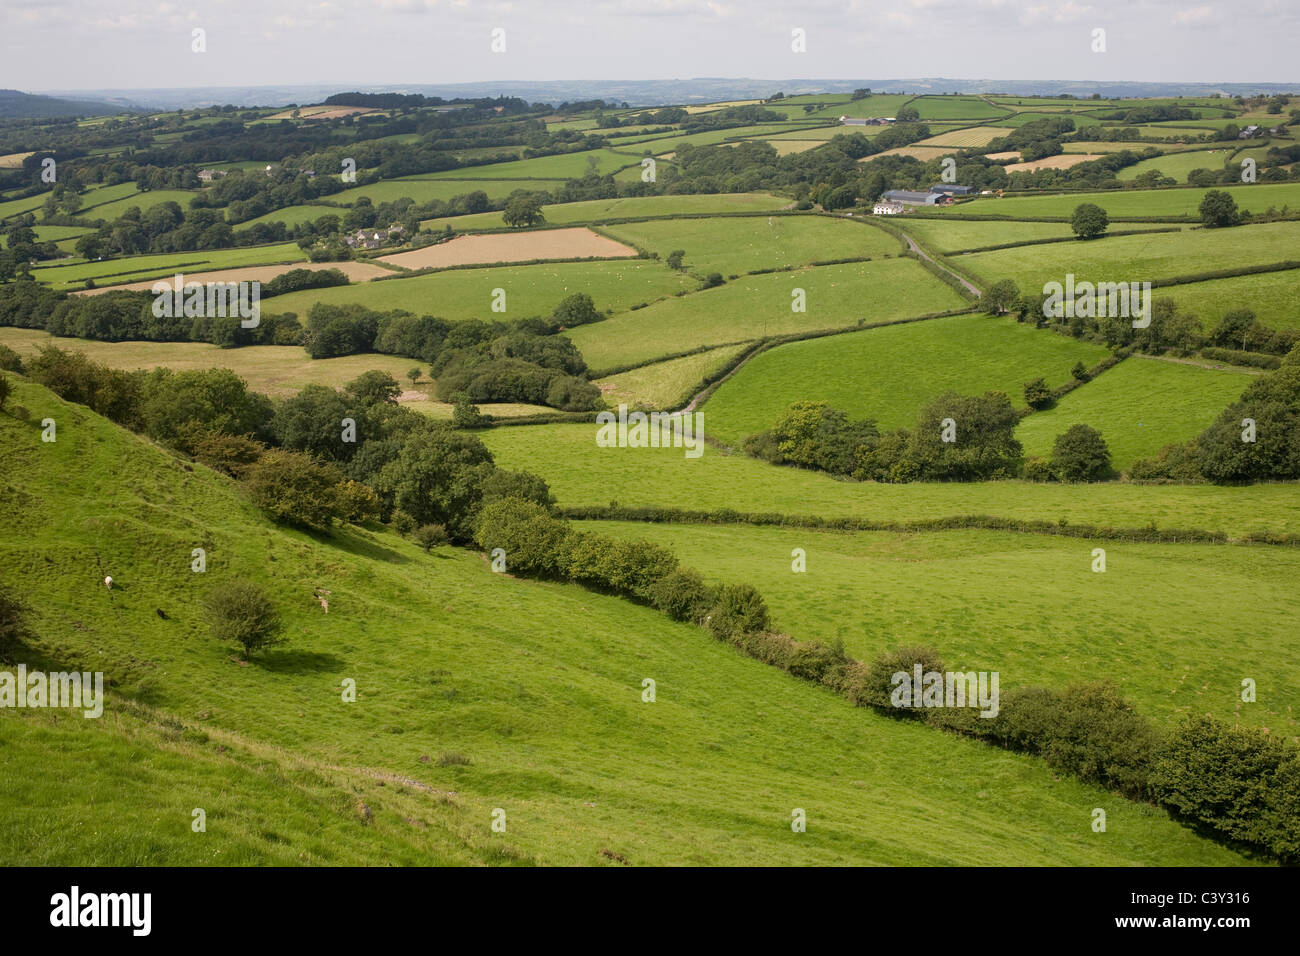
x=16, y=104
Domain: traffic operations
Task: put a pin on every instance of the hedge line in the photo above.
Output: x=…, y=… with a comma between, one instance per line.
x=1238, y=357
x=1060, y=528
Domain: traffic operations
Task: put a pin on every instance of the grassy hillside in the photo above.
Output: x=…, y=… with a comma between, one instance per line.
x=1139, y=406
x=889, y=373
x=1136, y=203
x=594, y=209
x=580, y=473
x=474, y=692
x=1030, y=607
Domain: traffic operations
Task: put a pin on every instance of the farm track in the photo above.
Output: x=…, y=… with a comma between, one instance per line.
x=911, y=245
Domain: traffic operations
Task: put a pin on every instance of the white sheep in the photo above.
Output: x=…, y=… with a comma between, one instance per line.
x=108, y=583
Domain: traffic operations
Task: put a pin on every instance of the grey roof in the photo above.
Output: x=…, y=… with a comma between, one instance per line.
x=904, y=195
x=949, y=188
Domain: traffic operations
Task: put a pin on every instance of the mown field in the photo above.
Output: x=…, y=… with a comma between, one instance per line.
x=1140, y=258
x=474, y=672
x=1029, y=607
x=583, y=474
x=738, y=245
x=1139, y=406
x=597, y=209
x=888, y=374
x=427, y=190
x=562, y=166
x=756, y=306
x=530, y=290
x=144, y=201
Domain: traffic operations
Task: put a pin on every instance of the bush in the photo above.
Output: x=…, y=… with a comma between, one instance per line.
x=1080, y=454
x=1037, y=394
x=1218, y=208
x=1086, y=730
x=10, y=361
x=6, y=388
x=239, y=612
x=402, y=522
x=874, y=687
x=1079, y=372
x=535, y=542
x=713, y=280
x=738, y=609
x=429, y=536
x=682, y=595
x=228, y=454
x=1241, y=783
x=1038, y=469
x=14, y=632
x=576, y=309
x=294, y=488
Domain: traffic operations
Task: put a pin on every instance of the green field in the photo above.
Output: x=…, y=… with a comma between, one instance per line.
x=562, y=166
x=144, y=201
x=597, y=209
x=661, y=385
x=1029, y=607
x=1020, y=119
x=755, y=306
x=741, y=245
x=581, y=473
x=427, y=190
x=670, y=144
x=888, y=374
x=530, y=290
x=1133, y=204
x=293, y=215
x=132, y=268
x=956, y=107
x=535, y=687
x=878, y=104
x=1139, y=406
x=1140, y=258
x=1178, y=165
x=92, y=196
x=1274, y=297
x=949, y=235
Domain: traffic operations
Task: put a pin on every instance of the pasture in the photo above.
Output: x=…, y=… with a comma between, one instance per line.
x=1140, y=258
x=888, y=374
x=581, y=473
x=1029, y=607
x=1274, y=297
x=529, y=290
x=1139, y=406
x=744, y=244
x=594, y=210
x=756, y=306
x=577, y=243
x=1134, y=204
x=661, y=385
x=138, y=268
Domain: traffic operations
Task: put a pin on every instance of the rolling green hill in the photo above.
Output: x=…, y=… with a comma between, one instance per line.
x=475, y=692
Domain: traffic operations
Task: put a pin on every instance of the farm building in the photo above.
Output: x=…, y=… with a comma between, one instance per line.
x=951, y=190
x=207, y=175
x=909, y=198
x=868, y=121
x=884, y=207
x=374, y=238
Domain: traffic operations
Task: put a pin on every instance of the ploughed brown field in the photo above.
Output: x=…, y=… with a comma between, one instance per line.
x=355, y=271
x=577, y=243
x=1060, y=161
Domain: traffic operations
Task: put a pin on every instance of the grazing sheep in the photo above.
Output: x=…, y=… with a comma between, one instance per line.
x=108, y=583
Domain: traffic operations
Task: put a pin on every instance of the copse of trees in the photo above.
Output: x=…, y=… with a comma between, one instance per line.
x=956, y=438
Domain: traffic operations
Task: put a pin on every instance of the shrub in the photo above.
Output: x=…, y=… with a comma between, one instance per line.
x=875, y=687
x=239, y=612
x=682, y=595
x=1087, y=730
x=576, y=309
x=1080, y=454
x=1038, y=469
x=1002, y=297
x=355, y=502
x=6, y=388
x=535, y=542
x=10, y=361
x=429, y=536
x=1239, y=782
x=1037, y=394
x=738, y=609
x=1079, y=372
x=294, y=488
x=14, y=632
x=713, y=280
x=402, y=522
x=228, y=454
x=1218, y=208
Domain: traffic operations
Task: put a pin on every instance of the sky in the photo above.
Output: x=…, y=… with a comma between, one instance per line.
x=129, y=44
